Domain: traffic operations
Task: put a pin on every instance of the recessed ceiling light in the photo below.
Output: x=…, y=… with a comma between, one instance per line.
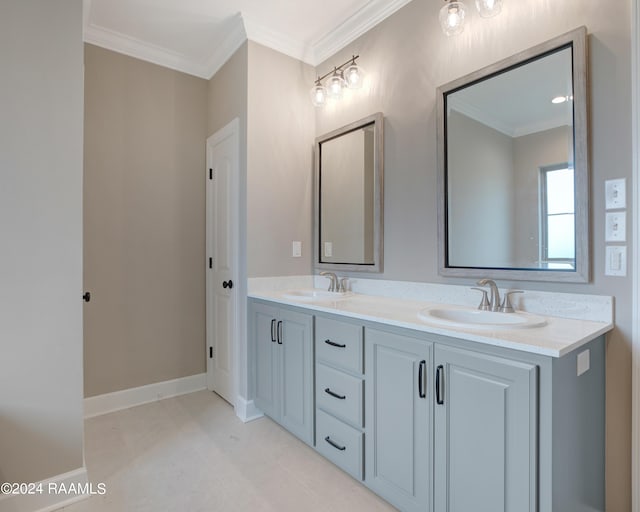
x=561, y=99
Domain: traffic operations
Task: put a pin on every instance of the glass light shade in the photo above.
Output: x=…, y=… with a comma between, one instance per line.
x=489, y=8
x=452, y=18
x=335, y=86
x=354, y=76
x=318, y=95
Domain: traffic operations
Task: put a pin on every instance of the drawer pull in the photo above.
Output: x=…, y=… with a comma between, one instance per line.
x=333, y=344
x=335, y=395
x=334, y=444
x=273, y=330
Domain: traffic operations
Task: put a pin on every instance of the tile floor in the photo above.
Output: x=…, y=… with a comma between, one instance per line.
x=191, y=453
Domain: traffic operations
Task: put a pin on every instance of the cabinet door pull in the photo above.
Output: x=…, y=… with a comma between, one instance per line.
x=334, y=344
x=439, y=386
x=422, y=378
x=335, y=395
x=279, y=332
x=334, y=444
x=273, y=330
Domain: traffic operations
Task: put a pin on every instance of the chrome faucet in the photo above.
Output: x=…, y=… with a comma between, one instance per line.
x=493, y=304
x=494, y=301
x=333, y=283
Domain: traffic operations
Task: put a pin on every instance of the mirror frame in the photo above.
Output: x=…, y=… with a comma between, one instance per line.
x=577, y=41
x=377, y=120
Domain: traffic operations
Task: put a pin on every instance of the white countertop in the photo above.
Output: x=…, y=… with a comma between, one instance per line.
x=558, y=337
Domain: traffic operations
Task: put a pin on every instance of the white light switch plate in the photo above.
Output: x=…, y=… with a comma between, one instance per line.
x=328, y=249
x=616, y=260
x=616, y=227
x=615, y=194
x=296, y=249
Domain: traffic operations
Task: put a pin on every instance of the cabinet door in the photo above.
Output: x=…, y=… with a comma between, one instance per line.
x=398, y=436
x=296, y=377
x=263, y=326
x=485, y=433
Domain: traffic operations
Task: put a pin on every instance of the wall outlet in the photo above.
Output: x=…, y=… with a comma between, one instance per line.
x=584, y=362
x=615, y=194
x=296, y=249
x=616, y=260
x=328, y=249
x=616, y=227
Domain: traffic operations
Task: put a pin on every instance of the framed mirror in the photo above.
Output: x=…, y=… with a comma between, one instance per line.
x=513, y=170
x=348, y=197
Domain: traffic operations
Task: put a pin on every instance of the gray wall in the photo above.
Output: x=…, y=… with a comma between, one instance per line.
x=344, y=206
x=531, y=153
x=144, y=199
x=41, y=423
x=227, y=96
x=279, y=163
x=481, y=206
x=407, y=57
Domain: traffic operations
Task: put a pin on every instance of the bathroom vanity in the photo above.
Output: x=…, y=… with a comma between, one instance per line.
x=432, y=417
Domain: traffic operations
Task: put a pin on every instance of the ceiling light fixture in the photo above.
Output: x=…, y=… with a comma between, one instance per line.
x=347, y=75
x=452, y=17
x=453, y=13
x=489, y=8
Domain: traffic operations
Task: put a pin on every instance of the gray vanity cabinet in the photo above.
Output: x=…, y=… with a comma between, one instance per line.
x=434, y=423
x=283, y=366
x=485, y=420
x=398, y=407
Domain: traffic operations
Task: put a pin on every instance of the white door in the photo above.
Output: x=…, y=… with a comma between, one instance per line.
x=222, y=255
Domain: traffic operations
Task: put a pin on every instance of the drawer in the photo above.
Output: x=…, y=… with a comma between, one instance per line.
x=340, y=394
x=340, y=443
x=339, y=343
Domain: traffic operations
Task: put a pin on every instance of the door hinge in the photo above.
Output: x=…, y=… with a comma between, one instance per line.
x=210, y=352
x=210, y=262
x=210, y=174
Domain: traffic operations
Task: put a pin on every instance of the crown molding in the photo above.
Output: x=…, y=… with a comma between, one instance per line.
x=277, y=41
x=127, y=45
x=235, y=37
x=353, y=27
x=481, y=116
x=486, y=118
x=241, y=29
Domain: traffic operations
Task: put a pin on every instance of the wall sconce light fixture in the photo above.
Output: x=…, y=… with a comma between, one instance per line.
x=453, y=13
x=347, y=75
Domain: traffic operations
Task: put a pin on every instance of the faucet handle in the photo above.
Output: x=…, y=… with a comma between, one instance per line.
x=344, y=285
x=506, y=306
x=484, y=303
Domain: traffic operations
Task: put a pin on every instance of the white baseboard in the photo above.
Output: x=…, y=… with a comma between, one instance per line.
x=118, y=400
x=246, y=410
x=56, y=492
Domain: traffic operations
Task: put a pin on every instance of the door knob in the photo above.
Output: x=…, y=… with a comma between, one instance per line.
x=227, y=284
x=86, y=297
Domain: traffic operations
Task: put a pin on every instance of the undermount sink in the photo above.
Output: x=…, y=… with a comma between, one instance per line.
x=312, y=294
x=477, y=319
